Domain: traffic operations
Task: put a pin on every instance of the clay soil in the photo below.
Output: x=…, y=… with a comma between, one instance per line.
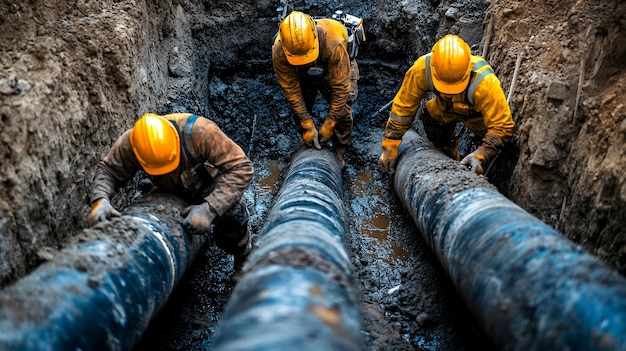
x=76, y=74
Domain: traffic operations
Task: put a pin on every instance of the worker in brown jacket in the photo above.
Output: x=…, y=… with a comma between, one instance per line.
x=466, y=90
x=310, y=56
x=191, y=157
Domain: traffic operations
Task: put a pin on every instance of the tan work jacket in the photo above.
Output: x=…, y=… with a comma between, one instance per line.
x=224, y=159
x=333, y=56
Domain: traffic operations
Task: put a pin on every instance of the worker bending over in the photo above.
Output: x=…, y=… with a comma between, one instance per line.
x=466, y=90
x=310, y=56
x=191, y=157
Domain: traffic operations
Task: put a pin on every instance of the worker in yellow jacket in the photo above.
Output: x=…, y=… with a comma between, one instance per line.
x=309, y=56
x=466, y=90
x=191, y=157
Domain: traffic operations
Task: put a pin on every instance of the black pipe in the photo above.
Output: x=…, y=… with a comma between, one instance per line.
x=529, y=287
x=101, y=291
x=296, y=291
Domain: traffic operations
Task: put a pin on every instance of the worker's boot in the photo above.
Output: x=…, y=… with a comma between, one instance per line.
x=340, y=152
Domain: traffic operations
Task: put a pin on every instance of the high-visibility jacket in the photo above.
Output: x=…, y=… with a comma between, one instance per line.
x=333, y=57
x=225, y=161
x=482, y=98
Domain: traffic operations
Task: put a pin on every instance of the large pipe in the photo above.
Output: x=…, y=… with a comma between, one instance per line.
x=101, y=291
x=529, y=287
x=296, y=291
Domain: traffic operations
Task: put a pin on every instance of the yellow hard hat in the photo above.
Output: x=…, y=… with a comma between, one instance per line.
x=298, y=33
x=156, y=144
x=450, y=64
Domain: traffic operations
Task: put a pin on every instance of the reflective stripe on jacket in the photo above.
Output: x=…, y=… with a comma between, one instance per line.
x=483, y=96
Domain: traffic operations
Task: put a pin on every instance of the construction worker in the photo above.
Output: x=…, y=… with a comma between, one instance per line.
x=466, y=90
x=191, y=157
x=310, y=56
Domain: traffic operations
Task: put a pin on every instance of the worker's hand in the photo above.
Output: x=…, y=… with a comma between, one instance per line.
x=473, y=163
x=389, y=157
x=198, y=218
x=309, y=135
x=101, y=211
x=326, y=131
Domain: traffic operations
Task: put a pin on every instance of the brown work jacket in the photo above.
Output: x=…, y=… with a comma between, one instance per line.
x=333, y=57
x=225, y=161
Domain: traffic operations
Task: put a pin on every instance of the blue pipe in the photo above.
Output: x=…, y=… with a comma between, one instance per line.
x=528, y=286
x=296, y=291
x=101, y=291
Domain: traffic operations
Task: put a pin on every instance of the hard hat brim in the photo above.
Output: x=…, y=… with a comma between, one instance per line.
x=450, y=89
x=298, y=60
x=157, y=171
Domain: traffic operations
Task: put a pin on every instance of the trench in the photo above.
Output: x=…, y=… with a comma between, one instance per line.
x=80, y=75
x=406, y=300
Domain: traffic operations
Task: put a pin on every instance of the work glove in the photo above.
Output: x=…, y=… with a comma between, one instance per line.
x=198, y=218
x=101, y=211
x=309, y=135
x=473, y=163
x=389, y=157
x=326, y=131
x=483, y=154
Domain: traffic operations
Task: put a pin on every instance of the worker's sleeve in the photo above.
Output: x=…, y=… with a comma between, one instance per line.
x=288, y=80
x=235, y=169
x=407, y=100
x=490, y=101
x=338, y=80
x=115, y=169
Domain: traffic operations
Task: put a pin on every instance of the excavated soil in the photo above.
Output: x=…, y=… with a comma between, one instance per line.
x=76, y=74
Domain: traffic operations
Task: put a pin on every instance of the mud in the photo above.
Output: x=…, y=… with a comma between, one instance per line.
x=76, y=75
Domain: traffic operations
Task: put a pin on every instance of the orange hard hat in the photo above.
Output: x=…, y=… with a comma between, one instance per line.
x=298, y=33
x=156, y=144
x=450, y=64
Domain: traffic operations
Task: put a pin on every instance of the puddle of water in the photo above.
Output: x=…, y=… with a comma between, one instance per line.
x=399, y=252
x=269, y=182
x=362, y=184
x=380, y=221
x=376, y=225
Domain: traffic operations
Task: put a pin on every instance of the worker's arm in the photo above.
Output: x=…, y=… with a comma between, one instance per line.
x=338, y=80
x=288, y=80
x=407, y=100
x=489, y=100
x=115, y=169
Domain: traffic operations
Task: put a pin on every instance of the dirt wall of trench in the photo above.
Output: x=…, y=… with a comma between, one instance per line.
x=567, y=162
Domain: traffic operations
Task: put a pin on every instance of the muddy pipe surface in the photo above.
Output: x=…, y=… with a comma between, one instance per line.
x=296, y=291
x=528, y=286
x=101, y=291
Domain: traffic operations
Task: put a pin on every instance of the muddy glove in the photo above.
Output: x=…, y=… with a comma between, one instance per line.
x=484, y=153
x=309, y=135
x=389, y=157
x=198, y=218
x=326, y=131
x=473, y=162
x=101, y=211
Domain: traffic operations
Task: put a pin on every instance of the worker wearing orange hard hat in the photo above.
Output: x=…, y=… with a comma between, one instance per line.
x=190, y=156
x=466, y=90
x=309, y=56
